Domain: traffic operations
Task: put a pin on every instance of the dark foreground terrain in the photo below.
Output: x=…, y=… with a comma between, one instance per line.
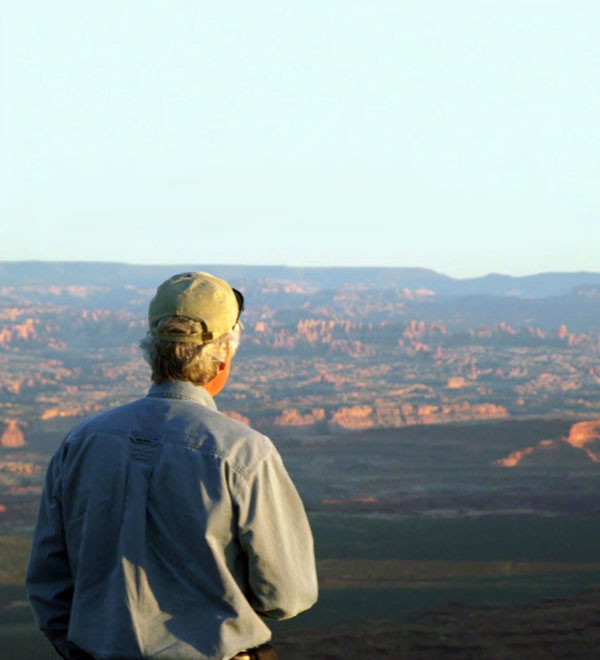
x=561, y=629
x=407, y=523
x=390, y=588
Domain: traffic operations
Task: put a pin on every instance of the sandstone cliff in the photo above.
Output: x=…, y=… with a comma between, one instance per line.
x=585, y=433
x=73, y=411
x=13, y=435
x=292, y=417
x=388, y=414
x=581, y=447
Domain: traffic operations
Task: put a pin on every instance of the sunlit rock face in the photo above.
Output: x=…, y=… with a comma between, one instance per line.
x=13, y=436
x=386, y=414
x=580, y=447
x=516, y=457
x=354, y=417
x=586, y=436
x=292, y=417
x=456, y=383
x=584, y=433
x=24, y=331
x=546, y=452
x=453, y=412
x=67, y=411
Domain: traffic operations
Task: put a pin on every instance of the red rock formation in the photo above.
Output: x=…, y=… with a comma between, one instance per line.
x=514, y=459
x=14, y=385
x=324, y=377
x=456, y=382
x=79, y=291
x=581, y=436
x=51, y=413
x=424, y=293
x=19, y=467
x=583, y=433
x=415, y=330
x=409, y=413
x=12, y=436
x=314, y=330
x=505, y=328
x=11, y=313
x=292, y=417
x=562, y=452
x=419, y=347
x=354, y=417
x=23, y=331
x=293, y=288
x=456, y=412
x=518, y=372
x=586, y=433
x=428, y=412
x=388, y=414
x=353, y=348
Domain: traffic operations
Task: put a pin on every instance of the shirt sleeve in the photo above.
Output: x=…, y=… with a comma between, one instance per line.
x=49, y=581
x=276, y=537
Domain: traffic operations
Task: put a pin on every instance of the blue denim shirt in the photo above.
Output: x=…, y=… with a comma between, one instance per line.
x=168, y=530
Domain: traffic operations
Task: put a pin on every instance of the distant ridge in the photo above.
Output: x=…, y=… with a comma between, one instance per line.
x=88, y=273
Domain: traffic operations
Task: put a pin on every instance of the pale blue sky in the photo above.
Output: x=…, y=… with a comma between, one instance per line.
x=458, y=135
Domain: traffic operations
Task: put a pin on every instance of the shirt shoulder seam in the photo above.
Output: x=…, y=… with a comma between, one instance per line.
x=189, y=442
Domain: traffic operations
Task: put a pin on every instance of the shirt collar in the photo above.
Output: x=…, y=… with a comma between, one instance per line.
x=182, y=389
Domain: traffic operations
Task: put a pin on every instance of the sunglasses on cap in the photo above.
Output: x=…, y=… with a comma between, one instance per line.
x=240, y=301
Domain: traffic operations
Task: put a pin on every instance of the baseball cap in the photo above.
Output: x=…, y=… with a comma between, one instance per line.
x=198, y=296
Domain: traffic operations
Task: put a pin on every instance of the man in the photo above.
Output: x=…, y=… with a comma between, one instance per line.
x=166, y=529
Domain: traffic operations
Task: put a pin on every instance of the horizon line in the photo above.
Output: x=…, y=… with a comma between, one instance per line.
x=295, y=267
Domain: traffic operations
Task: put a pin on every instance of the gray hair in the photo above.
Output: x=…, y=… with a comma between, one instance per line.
x=197, y=363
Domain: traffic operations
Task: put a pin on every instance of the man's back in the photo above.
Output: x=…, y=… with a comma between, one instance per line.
x=180, y=525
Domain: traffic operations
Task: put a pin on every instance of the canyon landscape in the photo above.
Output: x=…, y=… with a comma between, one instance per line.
x=444, y=435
